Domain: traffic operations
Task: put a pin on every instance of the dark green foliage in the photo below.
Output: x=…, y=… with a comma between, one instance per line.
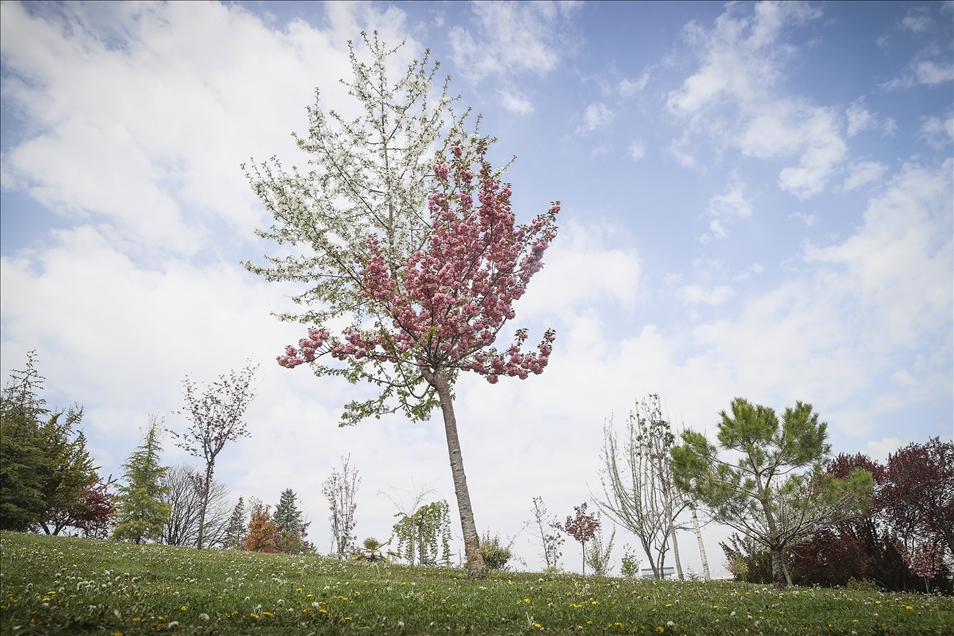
x=141, y=512
x=235, y=533
x=287, y=515
x=46, y=473
x=747, y=560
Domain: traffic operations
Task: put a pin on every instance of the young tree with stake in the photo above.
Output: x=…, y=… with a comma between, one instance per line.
x=428, y=284
x=216, y=417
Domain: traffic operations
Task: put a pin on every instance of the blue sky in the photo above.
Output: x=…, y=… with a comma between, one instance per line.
x=757, y=202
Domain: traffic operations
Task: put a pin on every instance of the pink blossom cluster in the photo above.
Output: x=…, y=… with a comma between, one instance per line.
x=582, y=527
x=308, y=349
x=447, y=302
x=926, y=560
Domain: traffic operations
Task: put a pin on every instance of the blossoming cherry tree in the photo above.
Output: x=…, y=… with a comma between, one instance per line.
x=439, y=310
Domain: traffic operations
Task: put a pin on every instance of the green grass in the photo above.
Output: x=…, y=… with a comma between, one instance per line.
x=55, y=585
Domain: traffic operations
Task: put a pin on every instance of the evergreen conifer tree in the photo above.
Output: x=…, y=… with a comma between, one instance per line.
x=236, y=530
x=288, y=516
x=46, y=473
x=141, y=513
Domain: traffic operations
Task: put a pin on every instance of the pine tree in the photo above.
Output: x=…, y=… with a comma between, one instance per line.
x=288, y=516
x=141, y=512
x=236, y=529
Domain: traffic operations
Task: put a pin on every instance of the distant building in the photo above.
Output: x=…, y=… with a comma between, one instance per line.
x=647, y=573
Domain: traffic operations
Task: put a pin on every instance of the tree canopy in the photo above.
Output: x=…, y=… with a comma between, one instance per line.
x=773, y=489
x=47, y=477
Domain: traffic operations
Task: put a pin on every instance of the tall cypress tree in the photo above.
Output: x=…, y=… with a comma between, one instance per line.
x=141, y=513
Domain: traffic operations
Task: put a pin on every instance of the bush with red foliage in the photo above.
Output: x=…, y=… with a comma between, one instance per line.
x=913, y=494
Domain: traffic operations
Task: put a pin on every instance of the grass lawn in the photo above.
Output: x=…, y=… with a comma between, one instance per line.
x=56, y=585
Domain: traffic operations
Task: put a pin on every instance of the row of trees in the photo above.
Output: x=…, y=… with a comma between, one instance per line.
x=800, y=516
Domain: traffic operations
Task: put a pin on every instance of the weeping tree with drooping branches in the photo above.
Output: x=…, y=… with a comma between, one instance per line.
x=418, y=247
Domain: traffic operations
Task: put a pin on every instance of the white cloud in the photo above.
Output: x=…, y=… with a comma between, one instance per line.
x=695, y=294
x=938, y=132
x=144, y=137
x=516, y=103
x=628, y=88
x=807, y=219
x=879, y=450
x=863, y=173
x=594, y=116
x=930, y=66
x=637, y=150
x=511, y=38
x=601, y=150
x=859, y=119
x=900, y=262
x=733, y=95
x=930, y=72
x=916, y=20
x=733, y=202
x=729, y=205
x=579, y=269
x=754, y=268
x=890, y=127
x=822, y=149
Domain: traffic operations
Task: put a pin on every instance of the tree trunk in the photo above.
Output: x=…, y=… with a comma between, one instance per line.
x=205, y=504
x=778, y=568
x=476, y=568
x=702, y=547
x=675, y=552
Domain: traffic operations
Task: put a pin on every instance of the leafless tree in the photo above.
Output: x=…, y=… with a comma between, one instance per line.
x=186, y=494
x=216, y=419
x=638, y=482
x=340, y=489
x=546, y=531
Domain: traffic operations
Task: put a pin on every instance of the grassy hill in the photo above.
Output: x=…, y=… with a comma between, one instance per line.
x=56, y=585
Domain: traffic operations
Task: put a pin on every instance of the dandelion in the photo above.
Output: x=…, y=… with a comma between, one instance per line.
x=203, y=617
x=660, y=629
x=184, y=608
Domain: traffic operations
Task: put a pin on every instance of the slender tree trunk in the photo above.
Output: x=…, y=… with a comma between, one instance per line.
x=672, y=531
x=476, y=568
x=702, y=547
x=205, y=505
